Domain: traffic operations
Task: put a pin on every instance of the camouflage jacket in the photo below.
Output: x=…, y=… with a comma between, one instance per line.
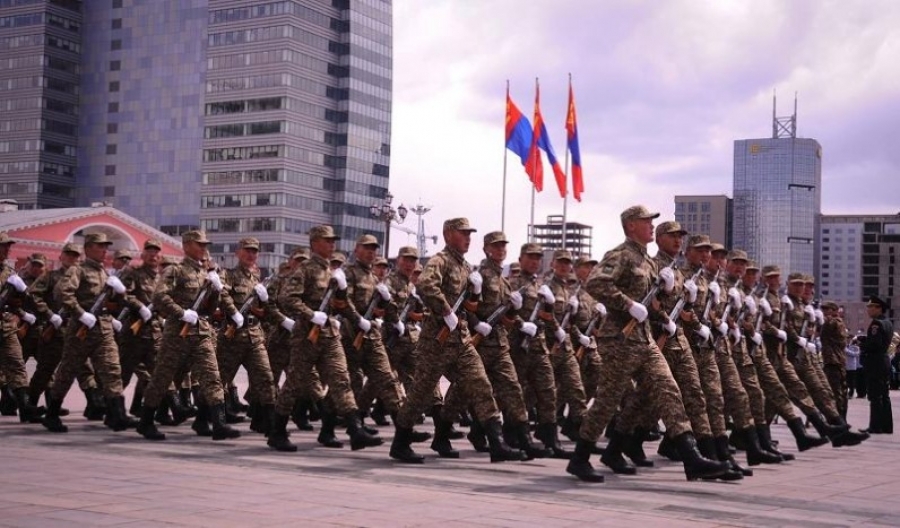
x=240, y=283
x=361, y=283
x=179, y=287
x=625, y=275
x=495, y=292
x=82, y=285
x=543, y=315
x=834, y=342
x=46, y=303
x=302, y=293
x=140, y=284
x=445, y=277
x=401, y=291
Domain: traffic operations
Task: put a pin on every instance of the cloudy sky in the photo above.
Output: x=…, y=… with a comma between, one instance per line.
x=663, y=88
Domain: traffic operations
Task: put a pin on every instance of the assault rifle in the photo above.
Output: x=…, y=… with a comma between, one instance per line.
x=83, y=330
x=198, y=302
x=230, y=327
x=676, y=311
x=313, y=334
x=495, y=315
x=648, y=299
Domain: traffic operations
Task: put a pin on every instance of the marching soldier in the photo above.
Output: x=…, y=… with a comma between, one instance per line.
x=580, y=333
x=30, y=328
x=834, y=338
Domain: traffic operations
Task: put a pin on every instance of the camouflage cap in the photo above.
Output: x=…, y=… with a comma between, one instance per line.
x=381, y=261
x=738, y=254
x=337, y=256
x=752, y=265
x=194, y=236
x=830, y=305
x=38, y=258
x=408, y=251
x=670, y=227
x=248, y=243
x=495, y=237
x=5, y=239
x=718, y=248
x=515, y=267
x=153, y=244
x=168, y=261
x=97, y=239
x=585, y=260
x=530, y=248
x=323, y=231
x=771, y=270
x=637, y=212
x=808, y=279
x=72, y=247
x=122, y=254
x=459, y=224
x=562, y=254
x=875, y=300
x=795, y=278
x=367, y=240
x=699, y=241
x=300, y=254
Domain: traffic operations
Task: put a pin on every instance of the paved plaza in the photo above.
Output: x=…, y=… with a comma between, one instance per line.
x=94, y=477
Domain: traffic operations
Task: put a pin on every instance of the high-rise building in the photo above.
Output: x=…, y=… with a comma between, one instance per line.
x=243, y=117
x=705, y=214
x=40, y=64
x=777, y=197
x=578, y=237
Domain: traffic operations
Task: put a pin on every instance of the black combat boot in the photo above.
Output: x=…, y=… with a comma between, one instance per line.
x=146, y=427
x=187, y=400
x=7, y=401
x=300, y=415
x=633, y=447
x=326, y=432
x=220, y=428
x=201, y=420
x=736, y=440
x=549, y=435
x=570, y=428
x=51, y=420
x=723, y=453
x=401, y=449
x=180, y=413
x=580, y=464
x=668, y=449
x=379, y=414
x=362, y=423
x=707, y=447
x=765, y=441
x=62, y=410
x=500, y=452
x=653, y=434
x=117, y=418
x=755, y=453
x=233, y=406
x=825, y=429
x=477, y=438
x=359, y=437
x=95, y=408
x=28, y=413
x=696, y=465
x=441, y=442
x=612, y=455
x=262, y=416
x=804, y=441
x=137, y=400
x=162, y=413
x=527, y=445
x=279, y=438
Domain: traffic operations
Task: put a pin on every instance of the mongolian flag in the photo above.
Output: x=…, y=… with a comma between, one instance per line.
x=518, y=130
x=572, y=138
x=541, y=141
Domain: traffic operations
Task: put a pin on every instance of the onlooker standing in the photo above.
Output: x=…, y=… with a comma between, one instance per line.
x=852, y=364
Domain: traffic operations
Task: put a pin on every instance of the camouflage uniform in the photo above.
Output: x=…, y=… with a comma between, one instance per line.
x=278, y=339
x=834, y=341
x=756, y=399
x=802, y=362
x=138, y=351
x=569, y=389
x=587, y=356
x=11, y=360
x=737, y=403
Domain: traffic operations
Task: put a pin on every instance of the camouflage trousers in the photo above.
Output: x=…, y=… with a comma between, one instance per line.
x=507, y=392
x=11, y=362
x=737, y=404
x=278, y=346
x=637, y=357
x=461, y=365
x=535, y=374
x=750, y=381
x=99, y=345
x=711, y=382
x=372, y=361
x=569, y=389
x=403, y=357
x=820, y=392
x=796, y=389
x=776, y=396
x=310, y=361
x=247, y=348
x=590, y=366
x=49, y=355
x=196, y=354
x=137, y=354
x=837, y=380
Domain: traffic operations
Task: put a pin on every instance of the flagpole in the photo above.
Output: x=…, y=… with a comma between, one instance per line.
x=566, y=171
x=536, y=159
x=503, y=206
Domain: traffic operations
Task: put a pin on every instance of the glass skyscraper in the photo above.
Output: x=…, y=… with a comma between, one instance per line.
x=777, y=201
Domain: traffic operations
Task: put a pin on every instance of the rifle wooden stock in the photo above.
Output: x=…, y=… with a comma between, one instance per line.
x=136, y=326
x=476, y=339
x=629, y=328
x=313, y=334
x=443, y=334
x=22, y=330
x=185, y=330
x=358, y=340
x=82, y=332
x=48, y=333
x=229, y=331
x=579, y=354
x=661, y=342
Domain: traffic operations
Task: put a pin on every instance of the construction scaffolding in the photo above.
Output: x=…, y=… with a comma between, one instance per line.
x=578, y=237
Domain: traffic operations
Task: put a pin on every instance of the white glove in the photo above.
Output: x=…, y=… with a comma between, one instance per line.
x=787, y=302
x=238, y=319
x=340, y=278
x=384, y=291
x=378, y=322
x=601, y=309
x=451, y=321
x=319, y=318
x=810, y=313
x=766, y=307
x=703, y=332
x=88, y=319
x=145, y=313
x=820, y=317
x=560, y=335
x=213, y=277
x=288, y=324
x=735, y=297
x=546, y=294
x=113, y=282
x=29, y=318
x=529, y=328
x=364, y=324
x=190, y=317
x=573, y=304
x=782, y=336
x=515, y=299
x=483, y=328
x=638, y=311
x=757, y=338
x=56, y=321
x=716, y=291
x=476, y=281
x=584, y=340
x=811, y=348
x=400, y=328
x=16, y=282
x=667, y=276
x=722, y=328
x=802, y=342
x=750, y=304
x=261, y=292
x=736, y=335
x=670, y=327
x=117, y=325
x=691, y=288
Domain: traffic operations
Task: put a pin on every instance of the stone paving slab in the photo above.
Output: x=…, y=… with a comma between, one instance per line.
x=94, y=477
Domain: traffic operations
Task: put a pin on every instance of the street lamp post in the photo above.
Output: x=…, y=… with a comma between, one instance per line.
x=387, y=214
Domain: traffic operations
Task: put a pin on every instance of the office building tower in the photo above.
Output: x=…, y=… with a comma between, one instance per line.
x=708, y=215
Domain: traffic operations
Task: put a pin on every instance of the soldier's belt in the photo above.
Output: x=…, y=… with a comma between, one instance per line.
x=252, y=320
